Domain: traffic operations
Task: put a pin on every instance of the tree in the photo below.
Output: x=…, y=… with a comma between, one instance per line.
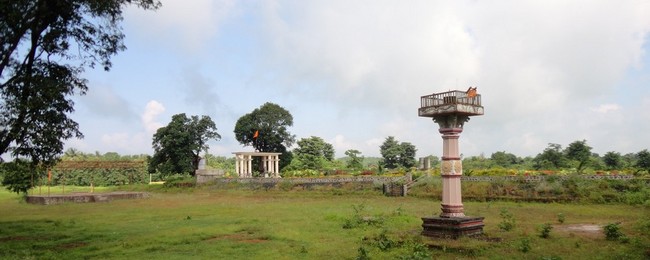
x=315, y=146
x=503, y=159
x=177, y=145
x=18, y=176
x=397, y=154
x=314, y=152
x=270, y=122
x=550, y=158
x=613, y=160
x=356, y=161
x=46, y=45
x=579, y=152
x=643, y=161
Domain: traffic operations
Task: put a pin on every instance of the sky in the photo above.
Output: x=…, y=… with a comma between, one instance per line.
x=353, y=72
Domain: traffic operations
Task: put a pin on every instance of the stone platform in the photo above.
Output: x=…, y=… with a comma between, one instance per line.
x=452, y=227
x=83, y=197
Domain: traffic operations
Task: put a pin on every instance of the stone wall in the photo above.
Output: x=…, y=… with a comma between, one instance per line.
x=203, y=179
x=207, y=175
x=83, y=197
x=537, y=178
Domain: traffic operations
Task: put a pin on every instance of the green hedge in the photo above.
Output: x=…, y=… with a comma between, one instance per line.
x=98, y=177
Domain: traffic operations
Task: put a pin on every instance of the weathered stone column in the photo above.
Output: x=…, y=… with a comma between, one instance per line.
x=249, y=161
x=238, y=165
x=451, y=168
x=276, y=160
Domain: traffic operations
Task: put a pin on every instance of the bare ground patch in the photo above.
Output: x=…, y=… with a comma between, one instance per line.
x=586, y=230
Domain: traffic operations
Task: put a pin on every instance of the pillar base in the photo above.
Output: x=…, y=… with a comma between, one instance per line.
x=452, y=211
x=452, y=227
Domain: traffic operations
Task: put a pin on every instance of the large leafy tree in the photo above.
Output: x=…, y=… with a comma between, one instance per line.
x=580, y=153
x=396, y=154
x=551, y=158
x=316, y=147
x=643, y=161
x=45, y=45
x=313, y=152
x=613, y=160
x=266, y=129
x=503, y=159
x=177, y=145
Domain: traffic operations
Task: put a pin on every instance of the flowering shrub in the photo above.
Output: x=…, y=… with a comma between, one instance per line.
x=301, y=173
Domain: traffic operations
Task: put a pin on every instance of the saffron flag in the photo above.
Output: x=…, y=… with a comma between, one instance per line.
x=257, y=134
x=49, y=175
x=471, y=92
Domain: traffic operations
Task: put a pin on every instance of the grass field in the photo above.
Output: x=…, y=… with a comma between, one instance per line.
x=236, y=223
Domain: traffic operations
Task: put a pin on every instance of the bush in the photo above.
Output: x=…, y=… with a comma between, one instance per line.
x=545, y=230
x=507, y=220
x=524, y=245
x=613, y=231
x=179, y=180
x=17, y=175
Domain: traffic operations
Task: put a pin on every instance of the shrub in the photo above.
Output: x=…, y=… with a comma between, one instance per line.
x=362, y=254
x=507, y=220
x=383, y=242
x=613, y=231
x=545, y=230
x=524, y=245
x=419, y=251
x=179, y=180
x=560, y=218
x=17, y=175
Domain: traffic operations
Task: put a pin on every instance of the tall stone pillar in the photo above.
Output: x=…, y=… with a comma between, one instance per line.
x=451, y=168
x=451, y=110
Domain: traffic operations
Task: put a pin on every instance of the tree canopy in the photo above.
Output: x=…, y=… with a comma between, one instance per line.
x=266, y=129
x=313, y=152
x=578, y=152
x=45, y=47
x=356, y=161
x=643, y=161
x=397, y=154
x=550, y=158
x=177, y=146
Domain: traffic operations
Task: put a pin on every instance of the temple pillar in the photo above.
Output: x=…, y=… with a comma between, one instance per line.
x=451, y=168
x=276, y=161
x=451, y=172
x=249, y=164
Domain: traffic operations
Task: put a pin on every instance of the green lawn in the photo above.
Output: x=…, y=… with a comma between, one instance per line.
x=212, y=223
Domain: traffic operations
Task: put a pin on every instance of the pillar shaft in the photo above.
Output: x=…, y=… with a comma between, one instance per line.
x=451, y=167
x=451, y=172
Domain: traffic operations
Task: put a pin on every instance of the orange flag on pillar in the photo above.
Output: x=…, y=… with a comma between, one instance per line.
x=257, y=134
x=471, y=92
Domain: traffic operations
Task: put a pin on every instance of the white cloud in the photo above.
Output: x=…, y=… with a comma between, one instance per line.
x=542, y=80
x=365, y=54
x=605, y=108
x=341, y=144
x=126, y=143
x=185, y=24
x=151, y=111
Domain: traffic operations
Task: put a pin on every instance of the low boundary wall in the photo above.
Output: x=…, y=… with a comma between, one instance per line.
x=329, y=180
x=537, y=178
x=83, y=197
